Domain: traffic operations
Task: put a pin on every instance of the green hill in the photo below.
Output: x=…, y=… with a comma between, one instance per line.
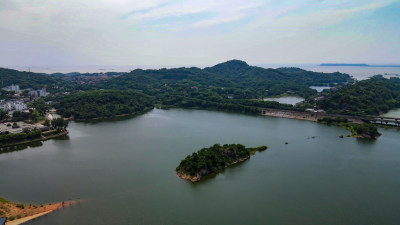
x=369, y=97
x=102, y=104
x=25, y=79
x=234, y=74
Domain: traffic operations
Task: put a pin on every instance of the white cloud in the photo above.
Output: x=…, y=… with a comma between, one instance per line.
x=179, y=32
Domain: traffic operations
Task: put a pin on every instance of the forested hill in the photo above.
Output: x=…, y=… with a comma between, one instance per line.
x=25, y=79
x=369, y=97
x=234, y=74
x=102, y=104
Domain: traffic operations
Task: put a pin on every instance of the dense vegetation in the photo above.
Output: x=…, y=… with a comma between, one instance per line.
x=102, y=104
x=228, y=86
x=26, y=79
x=7, y=138
x=369, y=97
x=366, y=130
x=233, y=77
x=214, y=158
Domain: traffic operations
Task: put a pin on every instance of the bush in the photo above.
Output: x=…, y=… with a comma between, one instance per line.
x=20, y=136
x=329, y=120
x=21, y=206
x=215, y=158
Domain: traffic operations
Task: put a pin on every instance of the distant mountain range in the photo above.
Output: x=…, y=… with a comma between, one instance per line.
x=359, y=65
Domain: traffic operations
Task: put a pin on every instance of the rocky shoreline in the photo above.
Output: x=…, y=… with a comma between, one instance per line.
x=214, y=159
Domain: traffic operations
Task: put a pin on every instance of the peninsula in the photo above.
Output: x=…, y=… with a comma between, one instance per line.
x=213, y=159
x=17, y=213
x=356, y=65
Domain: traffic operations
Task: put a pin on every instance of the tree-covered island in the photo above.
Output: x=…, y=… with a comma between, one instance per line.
x=213, y=159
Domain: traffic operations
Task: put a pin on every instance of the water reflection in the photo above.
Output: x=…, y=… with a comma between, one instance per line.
x=35, y=144
x=20, y=147
x=286, y=100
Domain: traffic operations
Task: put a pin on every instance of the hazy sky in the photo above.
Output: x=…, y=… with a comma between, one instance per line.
x=198, y=32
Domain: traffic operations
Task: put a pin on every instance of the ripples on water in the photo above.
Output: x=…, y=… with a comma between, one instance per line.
x=124, y=170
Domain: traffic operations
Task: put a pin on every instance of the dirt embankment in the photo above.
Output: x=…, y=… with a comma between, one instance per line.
x=17, y=213
x=310, y=116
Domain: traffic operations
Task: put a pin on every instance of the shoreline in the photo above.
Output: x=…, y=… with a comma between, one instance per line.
x=42, y=138
x=198, y=176
x=309, y=116
x=15, y=209
x=28, y=218
x=112, y=117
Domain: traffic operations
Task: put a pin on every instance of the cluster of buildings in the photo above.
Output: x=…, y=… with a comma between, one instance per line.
x=315, y=110
x=13, y=105
x=37, y=93
x=83, y=79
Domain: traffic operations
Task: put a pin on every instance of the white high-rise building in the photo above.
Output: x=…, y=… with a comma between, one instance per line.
x=12, y=87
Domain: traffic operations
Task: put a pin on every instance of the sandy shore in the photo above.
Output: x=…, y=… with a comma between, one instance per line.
x=309, y=116
x=30, y=212
x=26, y=219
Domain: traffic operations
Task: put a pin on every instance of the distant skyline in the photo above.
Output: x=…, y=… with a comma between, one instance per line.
x=197, y=33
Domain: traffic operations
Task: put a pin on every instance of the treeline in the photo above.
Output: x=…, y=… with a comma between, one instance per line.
x=185, y=95
x=369, y=97
x=102, y=104
x=6, y=138
x=365, y=130
x=233, y=77
x=26, y=79
x=215, y=158
x=228, y=86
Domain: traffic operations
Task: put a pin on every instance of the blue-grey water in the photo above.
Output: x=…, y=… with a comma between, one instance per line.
x=320, y=88
x=395, y=113
x=123, y=171
x=292, y=100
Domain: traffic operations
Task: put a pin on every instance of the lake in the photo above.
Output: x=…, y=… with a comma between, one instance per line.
x=292, y=100
x=395, y=113
x=320, y=88
x=123, y=171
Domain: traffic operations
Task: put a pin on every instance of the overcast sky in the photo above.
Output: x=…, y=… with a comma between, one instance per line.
x=198, y=32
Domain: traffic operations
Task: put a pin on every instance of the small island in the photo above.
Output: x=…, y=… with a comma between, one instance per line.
x=214, y=159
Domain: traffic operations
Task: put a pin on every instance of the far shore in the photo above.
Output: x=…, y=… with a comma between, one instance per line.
x=112, y=117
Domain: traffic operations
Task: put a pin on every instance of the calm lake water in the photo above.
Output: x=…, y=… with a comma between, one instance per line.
x=286, y=100
x=320, y=88
x=123, y=171
x=395, y=113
